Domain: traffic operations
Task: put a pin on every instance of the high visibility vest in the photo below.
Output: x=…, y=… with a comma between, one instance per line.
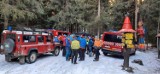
x=97, y=43
x=75, y=45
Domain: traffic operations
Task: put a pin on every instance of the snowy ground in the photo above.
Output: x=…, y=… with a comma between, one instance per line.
x=106, y=65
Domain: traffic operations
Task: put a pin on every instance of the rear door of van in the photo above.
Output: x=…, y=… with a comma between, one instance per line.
x=112, y=42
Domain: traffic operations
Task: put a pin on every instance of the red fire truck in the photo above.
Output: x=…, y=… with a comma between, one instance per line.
x=26, y=45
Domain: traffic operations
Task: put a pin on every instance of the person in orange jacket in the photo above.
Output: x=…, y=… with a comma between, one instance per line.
x=97, y=45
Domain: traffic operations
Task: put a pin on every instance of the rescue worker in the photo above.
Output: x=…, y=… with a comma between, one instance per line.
x=87, y=47
x=67, y=48
x=55, y=39
x=71, y=39
x=75, y=46
x=97, y=46
x=82, y=48
x=63, y=45
x=90, y=45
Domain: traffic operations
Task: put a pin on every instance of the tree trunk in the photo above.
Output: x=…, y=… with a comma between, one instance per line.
x=158, y=42
x=1, y=30
x=98, y=16
x=136, y=17
x=157, y=33
x=158, y=47
x=5, y=22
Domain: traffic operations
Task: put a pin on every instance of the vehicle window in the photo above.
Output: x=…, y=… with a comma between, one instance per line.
x=40, y=38
x=48, y=39
x=59, y=33
x=65, y=33
x=27, y=38
x=18, y=38
x=113, y=38
x=12, y=36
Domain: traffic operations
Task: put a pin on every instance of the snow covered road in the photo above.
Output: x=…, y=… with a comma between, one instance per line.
x=107, y=65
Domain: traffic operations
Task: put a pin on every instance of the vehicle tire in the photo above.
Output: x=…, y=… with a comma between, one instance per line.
x=56, y=51
x=32, y=57
x=21, y=60
x=105, y=53
x=9, y=45
x=8, y=58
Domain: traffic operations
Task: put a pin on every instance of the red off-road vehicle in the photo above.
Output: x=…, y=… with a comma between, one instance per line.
x=59, y=32
x=112, y=44
x=26, y=45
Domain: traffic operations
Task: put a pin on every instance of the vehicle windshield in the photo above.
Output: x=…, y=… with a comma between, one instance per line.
x=113, y=38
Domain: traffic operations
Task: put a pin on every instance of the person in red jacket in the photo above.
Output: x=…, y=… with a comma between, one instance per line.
x=64, y=45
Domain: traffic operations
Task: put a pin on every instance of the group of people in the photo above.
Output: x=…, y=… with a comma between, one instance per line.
x=76, y=46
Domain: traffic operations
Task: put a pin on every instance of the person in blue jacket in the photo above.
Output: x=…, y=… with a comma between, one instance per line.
x=68, y=48
x=82, y=48
x=90, y=45
x=55, y=39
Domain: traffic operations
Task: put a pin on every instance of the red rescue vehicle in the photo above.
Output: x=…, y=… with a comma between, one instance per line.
x=60, y=34
x=26, y=45
x=112, y=44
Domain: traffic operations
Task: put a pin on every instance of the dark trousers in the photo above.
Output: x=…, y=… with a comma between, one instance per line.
x=63, y=51
x=97, y=53
x=68, y=52
x=82, y=54
x=90, y=51
x=87, y=49
x=74, y=55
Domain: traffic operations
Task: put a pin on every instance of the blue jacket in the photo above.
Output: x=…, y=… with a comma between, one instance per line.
x=78, y=38
x=71, y=39
x=68, y=43
x=83, y=43
x=56, y=39
x=90, y=43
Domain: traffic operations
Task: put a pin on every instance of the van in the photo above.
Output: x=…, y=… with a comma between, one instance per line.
x=112, y=44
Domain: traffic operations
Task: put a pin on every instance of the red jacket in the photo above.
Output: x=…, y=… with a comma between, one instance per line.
x=64, y=40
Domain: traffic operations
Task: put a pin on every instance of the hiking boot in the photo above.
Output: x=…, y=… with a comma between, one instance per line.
x=75, y=63
x=80, y=60
x=68, y=60
x=95, y=60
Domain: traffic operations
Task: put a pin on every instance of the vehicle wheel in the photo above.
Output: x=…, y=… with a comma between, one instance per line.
x=8, y=58
x=105, y=53
x=21, y=60
x=56, y=51
x=31, y=58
